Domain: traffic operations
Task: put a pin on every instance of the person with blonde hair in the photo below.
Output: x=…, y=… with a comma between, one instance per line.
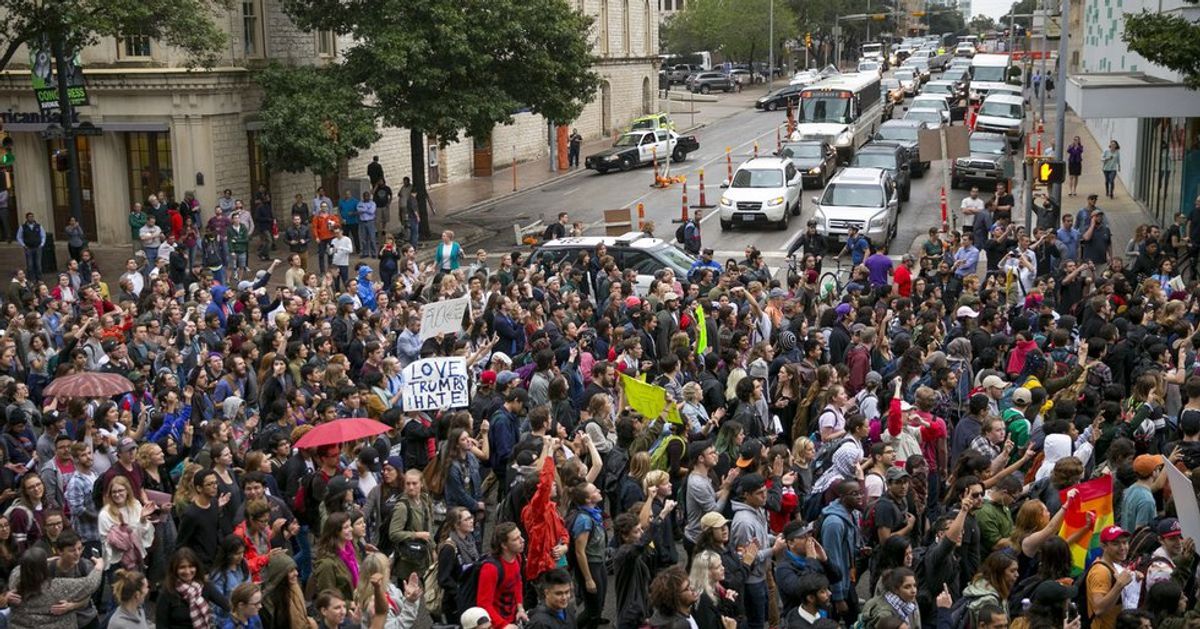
x=713, y=608
x=402, y=608
x=125, y=528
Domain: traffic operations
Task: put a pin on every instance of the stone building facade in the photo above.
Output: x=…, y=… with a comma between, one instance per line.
x=166, y=128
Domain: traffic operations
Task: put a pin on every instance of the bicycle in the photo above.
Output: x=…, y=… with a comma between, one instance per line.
x=831, y=282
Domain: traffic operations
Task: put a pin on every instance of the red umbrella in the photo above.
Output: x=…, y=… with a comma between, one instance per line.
x=88, y=384
x=341, y=431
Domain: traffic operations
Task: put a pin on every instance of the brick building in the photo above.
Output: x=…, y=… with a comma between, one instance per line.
x=163, y=127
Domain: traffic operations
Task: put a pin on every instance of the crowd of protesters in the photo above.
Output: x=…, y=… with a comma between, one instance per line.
x=902, y=453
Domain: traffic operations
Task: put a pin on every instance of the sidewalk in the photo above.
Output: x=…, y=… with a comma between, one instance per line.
x=455, y=201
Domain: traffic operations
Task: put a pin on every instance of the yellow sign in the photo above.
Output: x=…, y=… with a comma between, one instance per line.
x=879, y=17
x=1051, y=171
x=648, y=399
x=701, y=331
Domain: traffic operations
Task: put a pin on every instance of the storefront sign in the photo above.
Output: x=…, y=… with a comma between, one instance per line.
x=45, y=80
x=39, y=117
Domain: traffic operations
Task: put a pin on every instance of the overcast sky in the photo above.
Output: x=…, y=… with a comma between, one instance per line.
x=993, y=8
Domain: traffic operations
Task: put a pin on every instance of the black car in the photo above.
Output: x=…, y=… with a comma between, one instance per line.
x=904, y=133
x=815, y=159
x=890, y=157
x=779, y=99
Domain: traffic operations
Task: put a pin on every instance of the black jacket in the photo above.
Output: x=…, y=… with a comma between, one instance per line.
x=543, y=618
x=788, y=572
x=171, y=611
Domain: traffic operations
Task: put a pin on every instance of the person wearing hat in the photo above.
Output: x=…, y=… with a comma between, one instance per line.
x=749, y=529
x=812, y=592
x=475, y=618
x=1107, y=578
x=813, y=244
x=803, y=559
x=891, y=510
x=1015, y=422
x=994, y=387
x=839, y=335
x=668, y=321
x=1137, y=503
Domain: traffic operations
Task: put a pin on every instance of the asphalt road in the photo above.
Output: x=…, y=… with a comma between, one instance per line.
x=586, y=196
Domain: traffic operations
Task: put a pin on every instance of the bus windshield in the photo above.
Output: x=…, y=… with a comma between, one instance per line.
x=992, y=74
x=825, y=108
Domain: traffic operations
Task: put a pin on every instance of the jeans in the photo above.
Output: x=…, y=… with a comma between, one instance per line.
x=33, y=263
x=266, y=242
x=756, y=605
x=366, y=237
x=304, y=556
x=240, y=262
x=593, y=602
x=323, y=255
x=1110, y=180
x=342, y=279
x=573, y=157
x=414, y=233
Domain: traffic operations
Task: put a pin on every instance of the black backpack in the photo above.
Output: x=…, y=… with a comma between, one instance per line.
x=824, y=458
x=681, y=233
x=468, y=588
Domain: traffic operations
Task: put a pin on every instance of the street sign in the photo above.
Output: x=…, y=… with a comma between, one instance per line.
x=836, y=30
x=1051, y=171
x=929, y=143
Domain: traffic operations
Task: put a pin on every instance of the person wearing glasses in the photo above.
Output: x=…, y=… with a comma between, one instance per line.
x=244, y=605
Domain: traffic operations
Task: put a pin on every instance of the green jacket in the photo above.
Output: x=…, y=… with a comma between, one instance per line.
x=137, y=220
x=995, y=524
x=330, y=573
x=239, y=238
x=408, y=519
x=878, y=608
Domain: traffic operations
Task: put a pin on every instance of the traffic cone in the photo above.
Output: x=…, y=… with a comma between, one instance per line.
x=703, y=202
x=728, y=164
x=641, y=211
x=945, y=207
x=684, y=210
x=755, y=151
x=778, y=143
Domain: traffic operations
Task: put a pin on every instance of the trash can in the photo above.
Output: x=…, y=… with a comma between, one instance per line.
x=49, y=256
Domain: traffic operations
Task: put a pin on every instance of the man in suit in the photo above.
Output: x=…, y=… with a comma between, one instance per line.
x=668, y=322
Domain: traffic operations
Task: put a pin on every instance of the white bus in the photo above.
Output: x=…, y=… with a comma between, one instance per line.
x=844, y=110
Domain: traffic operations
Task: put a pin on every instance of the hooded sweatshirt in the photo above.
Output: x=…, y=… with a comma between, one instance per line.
x=366, y=292
x=748, y=524
x=217, y=305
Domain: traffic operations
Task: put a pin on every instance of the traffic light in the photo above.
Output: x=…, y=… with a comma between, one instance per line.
x=62, y=161
x=879, y=17
x=1051, y=171
x=808, y=40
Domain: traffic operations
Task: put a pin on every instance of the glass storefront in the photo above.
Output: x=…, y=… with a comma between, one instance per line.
x=150, y=168
x=1169, y=167
x=59, y=187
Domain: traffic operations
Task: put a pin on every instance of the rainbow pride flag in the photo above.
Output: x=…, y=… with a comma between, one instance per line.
x=1095, y=496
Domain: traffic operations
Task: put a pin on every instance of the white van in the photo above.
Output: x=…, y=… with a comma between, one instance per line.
x=987, y=73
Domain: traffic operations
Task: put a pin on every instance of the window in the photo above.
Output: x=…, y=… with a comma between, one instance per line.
x=133, y=47
x=626, y=27
x=326, y=44
x=252, y=28
x=647, y=30
x=603, y=19
x=259, y=174
x=150, y=170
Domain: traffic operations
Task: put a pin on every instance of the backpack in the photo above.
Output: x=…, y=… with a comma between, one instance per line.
x=659, y=460
x=824, y=457
x=963, y=612
x=468, y=589
x=681, y=233
x=1081, y=599
x=305, y=504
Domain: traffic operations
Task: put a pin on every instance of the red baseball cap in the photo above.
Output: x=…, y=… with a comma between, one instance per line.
x=488, y=377
x=1112, y=533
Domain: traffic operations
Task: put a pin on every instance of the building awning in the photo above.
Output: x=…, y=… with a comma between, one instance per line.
x=1130, y=95
x=107, y=127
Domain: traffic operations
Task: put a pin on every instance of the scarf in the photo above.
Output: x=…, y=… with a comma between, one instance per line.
x=351, y=561
x=595, y=514
x=903, y=609
x=122, y=538
x=193, y=595
x=466, y=547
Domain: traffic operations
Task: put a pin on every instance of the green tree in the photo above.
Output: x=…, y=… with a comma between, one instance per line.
x=947, y=20
x=1170, y=41
x=187, y=24
x=443, y=67
x=301, y=132
x=738, y=30
x=1021, y=7
x=981, y=24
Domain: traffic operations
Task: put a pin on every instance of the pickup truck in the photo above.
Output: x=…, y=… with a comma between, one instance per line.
x=637, y=148
x=680, y=72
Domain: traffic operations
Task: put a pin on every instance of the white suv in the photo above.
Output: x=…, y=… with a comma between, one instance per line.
x=766, y=189
x=865, y=198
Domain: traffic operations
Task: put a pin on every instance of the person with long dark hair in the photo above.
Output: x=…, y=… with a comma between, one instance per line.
x=283, y=599
x=336, y=567
x=186, y=598
x=37, y=592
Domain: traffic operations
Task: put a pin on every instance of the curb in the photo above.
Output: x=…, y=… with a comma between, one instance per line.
x=482, y=205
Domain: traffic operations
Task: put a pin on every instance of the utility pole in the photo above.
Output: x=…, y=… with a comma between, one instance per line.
x=67, y=113
x=770, y=46
x=1045, y=53
x=553, y=141
x=1060, y=94
x=1012, y=31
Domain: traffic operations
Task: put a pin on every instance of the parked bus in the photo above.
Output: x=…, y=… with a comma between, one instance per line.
x=844, y=110
x=704, y=59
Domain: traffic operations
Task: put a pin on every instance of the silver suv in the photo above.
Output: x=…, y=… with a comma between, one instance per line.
x=865, y=198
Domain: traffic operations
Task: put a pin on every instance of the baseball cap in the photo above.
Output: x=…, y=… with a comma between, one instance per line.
x=905, y=406
x=1112, y=533
x=712, y=520
x=1052, y=593
x=842, y=310
x=502, y=357
x=895, y=473
x=396, y=463
x=749, y=452
x=474, y=618
x=632, y=302
x=671, y=296
x=505, y=377
x=777, y=293
x=488, y=377
x=127, y=445
x=1168, y=527
x=873, y=377
x=345, y=300
x=797, y=529
x=1145, y=464
x=1022, y=397
x=994, y=382
x=966, y=312
x=369, y=457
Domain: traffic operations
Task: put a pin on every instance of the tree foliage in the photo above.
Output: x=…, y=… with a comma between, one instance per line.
x=738, y=30
x=981, y=24
x=301, y=131
x=1167, y=40
x=444, y=66
x=187, y=24
x=949, y=20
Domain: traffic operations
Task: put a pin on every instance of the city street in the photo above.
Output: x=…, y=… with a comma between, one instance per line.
x=587, y=195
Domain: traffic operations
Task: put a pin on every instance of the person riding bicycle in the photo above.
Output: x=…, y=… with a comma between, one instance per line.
x=813, y=244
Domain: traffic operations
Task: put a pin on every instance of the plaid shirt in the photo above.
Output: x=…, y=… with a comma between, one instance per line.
x=83, y=510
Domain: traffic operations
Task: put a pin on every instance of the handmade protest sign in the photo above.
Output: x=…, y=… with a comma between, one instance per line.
x=436, y=384
x=1186, y=506
x=443, y=317
x=649, y=400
